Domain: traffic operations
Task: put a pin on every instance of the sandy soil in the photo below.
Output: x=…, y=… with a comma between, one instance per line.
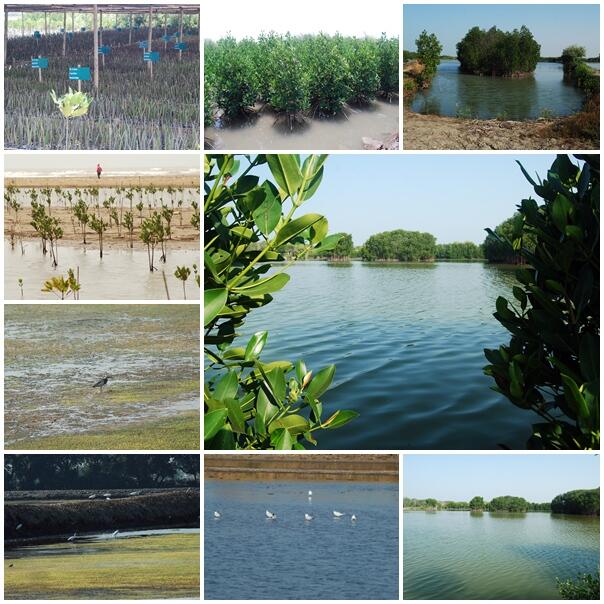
x=105, y=181
x=185, y=237
x=436, y=132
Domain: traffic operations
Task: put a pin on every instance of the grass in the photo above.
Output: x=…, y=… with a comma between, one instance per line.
x=180, y=432
x=165, y=566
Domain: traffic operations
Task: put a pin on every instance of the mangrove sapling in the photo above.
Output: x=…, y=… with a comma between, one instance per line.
x=38, y=216
x=99, y=226
x=248, y=403
x=63, y=287
x=113, y=215
x=167, y=214
x=71, y=105
x=182, y=273
x=81, y=212
x=128, y=222
x=140, y=206
x=195, y=216
x=148, y=236
x=54, y=232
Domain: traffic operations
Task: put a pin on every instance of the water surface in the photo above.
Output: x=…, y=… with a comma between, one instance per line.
x=463, y=555
x=453, y=93
x=407, y=341
x=248, y=556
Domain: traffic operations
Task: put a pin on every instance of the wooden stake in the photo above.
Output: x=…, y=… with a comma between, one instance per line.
x=96, y=48
x=39, y=70
x=180, y=36
x=80, y=81
x=45, y=24
x=22, y=25
x=101, y=37
x=165, y=31
x=64, y=33
x=150, y=63
x=72, y=22
x=5, y=33
x=130, y=34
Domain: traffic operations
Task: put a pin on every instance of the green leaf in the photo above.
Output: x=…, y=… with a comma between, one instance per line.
x=255, y=345
x=319, y=230
x=213, y=302
x=235, y=415
x=300, y=370
x=526, y=174
x=560, y=211
x=286, y=171
x=339, y=418
x=266, y=216
x=574, y=397
x=502, y=309
x=265, y=411
x=328, y=243
x=276, y=380
x=227, y=387
x=295, y=424
x=321, y=382
x=281, y=439
x=263, y=286
x=212, y=422
x=234, y=354
x=295, y=227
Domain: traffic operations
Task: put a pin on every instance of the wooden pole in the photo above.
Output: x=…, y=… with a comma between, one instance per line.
x=150, y=63
x=5, y=34
x=180, y=36
x=96, y=47
x=80, y=81
x=39, y=70
x=72, y=22
x=64, y=33
x=45, y=24
x=22, y=24
x=165, y=31
x=130, y=34
x=101, y=37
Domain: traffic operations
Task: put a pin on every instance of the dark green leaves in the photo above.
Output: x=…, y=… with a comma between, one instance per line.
x=295, y=227
x=212, y=422
x=213, y=302
x=255, y=345
x=286, y=171
x=268, y=213
x=339, y=419
x=321, y=382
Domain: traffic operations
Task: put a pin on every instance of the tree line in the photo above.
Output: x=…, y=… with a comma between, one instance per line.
x=584, y=502
x=73, y=472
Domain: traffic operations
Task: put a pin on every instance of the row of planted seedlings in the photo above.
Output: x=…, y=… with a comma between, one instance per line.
x=131, y=213
x=297, y=77
x=128, y=111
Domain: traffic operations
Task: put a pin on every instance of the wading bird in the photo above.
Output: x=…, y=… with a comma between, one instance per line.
x=102, y=383
x=217, y=514
x=270, y=515
x=310, y=493
x=308, y=517
x=73, y=537
x=353, y=518
x=92, y=497
x=114, y=534
x=135, y=493
x=338, y=514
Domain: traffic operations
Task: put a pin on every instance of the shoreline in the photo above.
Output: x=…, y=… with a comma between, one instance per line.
x=105, y=182
x=435, y=132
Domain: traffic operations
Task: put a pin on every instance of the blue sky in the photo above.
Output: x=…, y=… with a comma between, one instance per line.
x=454, y=197
x=554, y=26
x=537, y=478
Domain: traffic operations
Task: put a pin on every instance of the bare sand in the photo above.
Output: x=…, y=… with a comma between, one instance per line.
x=80, y=182
x=185, y=237
x=436, y=132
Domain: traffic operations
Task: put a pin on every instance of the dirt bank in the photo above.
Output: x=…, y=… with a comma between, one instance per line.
x=361, y=468
x=436, y=132
x=183, y=237
x=59, y=519
x=82, y=182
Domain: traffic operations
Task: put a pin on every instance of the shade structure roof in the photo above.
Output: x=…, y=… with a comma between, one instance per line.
x=113, y=9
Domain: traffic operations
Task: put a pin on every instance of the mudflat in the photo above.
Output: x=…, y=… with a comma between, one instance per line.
x=80, y=182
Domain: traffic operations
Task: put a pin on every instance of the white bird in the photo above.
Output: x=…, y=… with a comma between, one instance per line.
x=106, y=494
x=271, y=515
x=114, y=534
x=308, y=517
x=72, y=538
x=135, y=493
x=353, y=518
x=310, y=493
x=217, y=514
x=108, y=498
x=92, y=497
x=338, y=514
x=19, y=526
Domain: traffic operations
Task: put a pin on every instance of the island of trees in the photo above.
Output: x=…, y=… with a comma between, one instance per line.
x=581, y=502
x=498, y=53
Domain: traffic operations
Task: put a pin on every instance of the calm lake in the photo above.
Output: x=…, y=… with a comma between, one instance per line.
x=407, y=341
x=453, y=93
x=248, y=556
x=462, y=555
x=378, y=120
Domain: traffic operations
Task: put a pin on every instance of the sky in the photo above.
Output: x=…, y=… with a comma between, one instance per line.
x=117, y=164
x=554, y=26
x=454, y=197
x=538, y=477
x=243, y=18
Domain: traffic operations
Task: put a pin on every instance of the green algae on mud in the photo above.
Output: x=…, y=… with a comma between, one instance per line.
x=163, y=566
x=55, y=353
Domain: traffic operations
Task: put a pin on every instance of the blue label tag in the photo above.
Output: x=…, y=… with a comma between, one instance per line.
x=40, y=63
x=79, y=73
x=151, y=56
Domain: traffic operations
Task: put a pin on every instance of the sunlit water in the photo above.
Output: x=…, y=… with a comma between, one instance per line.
x=248, y=556
x=377, y=121
x=122, y=274
x=407, y=341
x=453, y=93
x=55, y=353
x=463, y=555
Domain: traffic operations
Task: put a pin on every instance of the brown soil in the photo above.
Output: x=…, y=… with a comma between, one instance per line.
x=48, y=518
x=185, y=237
x=105, y=181
x=359, y=468
x=435, y=132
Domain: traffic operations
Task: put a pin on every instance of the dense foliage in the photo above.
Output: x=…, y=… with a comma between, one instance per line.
x=478, y=504
x=58, y=472
x=249, y=403
x=498, y=53
x=404, y=246
x=577, y=71
x=584, y=587
x=508, y=503
x=496, y=247
x=551, y=363
x=585, y=502
x=428, y=53
x=297, y=75
x=466, y=250
x=343, y=250
x=128, y=111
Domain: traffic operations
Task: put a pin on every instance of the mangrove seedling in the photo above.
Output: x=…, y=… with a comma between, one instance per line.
x=182, y=273
x=99, y=226
x=72, y=104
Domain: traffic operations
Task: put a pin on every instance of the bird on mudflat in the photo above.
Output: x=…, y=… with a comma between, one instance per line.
x=101, y=383
x=271, y=515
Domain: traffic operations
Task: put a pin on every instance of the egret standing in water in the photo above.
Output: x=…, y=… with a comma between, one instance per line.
x=101, y=383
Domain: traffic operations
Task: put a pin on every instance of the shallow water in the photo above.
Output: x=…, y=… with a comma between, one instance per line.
x=377, y=121
x=55, y=353
x=407, y=341
x=463, y=555
x=122, y=274
x=248, y=556
x=456, y=94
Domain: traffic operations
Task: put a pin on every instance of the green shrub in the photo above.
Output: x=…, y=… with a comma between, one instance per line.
x=388, y=65
x=584, y=587
x=585, y=502
x=363, y=64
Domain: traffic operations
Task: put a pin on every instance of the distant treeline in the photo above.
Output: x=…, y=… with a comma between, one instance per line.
x=498, y=53
x=57, y=472
x=582, y=502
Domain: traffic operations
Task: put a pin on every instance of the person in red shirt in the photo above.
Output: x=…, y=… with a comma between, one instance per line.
x=99, y=170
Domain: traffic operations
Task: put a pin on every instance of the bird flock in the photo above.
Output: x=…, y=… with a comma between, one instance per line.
x=307, y=517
